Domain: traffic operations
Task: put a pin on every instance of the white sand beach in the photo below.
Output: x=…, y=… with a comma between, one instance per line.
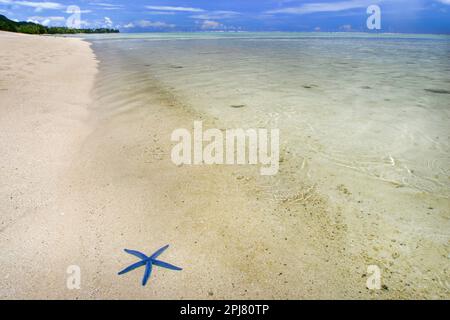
x=45, y=85
x=81, y=181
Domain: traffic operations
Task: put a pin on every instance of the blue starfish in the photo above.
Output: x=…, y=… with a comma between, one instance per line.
x=148, y=262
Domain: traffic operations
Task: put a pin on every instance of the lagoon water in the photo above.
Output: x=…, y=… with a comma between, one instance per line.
x=364, y=123
x=378, y=105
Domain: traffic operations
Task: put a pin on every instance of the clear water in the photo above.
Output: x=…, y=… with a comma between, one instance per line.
x=378, y=105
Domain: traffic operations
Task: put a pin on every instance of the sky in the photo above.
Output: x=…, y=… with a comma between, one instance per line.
x=400, y=16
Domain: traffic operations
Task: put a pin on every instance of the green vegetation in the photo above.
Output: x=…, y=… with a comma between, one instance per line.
x=33, y=28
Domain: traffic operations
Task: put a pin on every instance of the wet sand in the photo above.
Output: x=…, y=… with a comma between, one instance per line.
x=88, y=174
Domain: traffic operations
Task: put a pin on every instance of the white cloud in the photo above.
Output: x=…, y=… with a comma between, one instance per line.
x=161, y=13
x=39, y=5
x=5, y=12
x=216, y=15
x=45, y=21
x=108, y=22
x=107, y=6
x=445, y=1
x=327, y=7
x=154, y=24
x=178, y=9
x=129, y=25
x=211, y=25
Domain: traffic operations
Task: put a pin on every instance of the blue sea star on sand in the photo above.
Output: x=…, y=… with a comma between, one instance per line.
x=148, y=262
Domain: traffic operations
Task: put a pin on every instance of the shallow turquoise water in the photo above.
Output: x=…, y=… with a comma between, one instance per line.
x=378, y=105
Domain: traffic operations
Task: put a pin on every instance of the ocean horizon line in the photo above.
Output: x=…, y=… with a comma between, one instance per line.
x=280, y=31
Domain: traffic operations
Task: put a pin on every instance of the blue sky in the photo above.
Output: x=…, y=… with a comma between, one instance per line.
x=408, y=16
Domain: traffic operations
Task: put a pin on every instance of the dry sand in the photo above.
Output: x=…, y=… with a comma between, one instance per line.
x=44, y=97
x=81, y=182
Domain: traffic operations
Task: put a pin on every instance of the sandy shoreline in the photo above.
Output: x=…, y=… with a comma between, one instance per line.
x=45, y=93
x=85, y=180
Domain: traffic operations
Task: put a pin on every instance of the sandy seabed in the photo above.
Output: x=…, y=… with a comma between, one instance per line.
x=80, y=183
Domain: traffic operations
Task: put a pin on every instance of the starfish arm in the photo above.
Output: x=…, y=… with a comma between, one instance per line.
x=132, y=267
x=148, y=272
x=166, y=265
x=135, y=253
x=159, y=252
